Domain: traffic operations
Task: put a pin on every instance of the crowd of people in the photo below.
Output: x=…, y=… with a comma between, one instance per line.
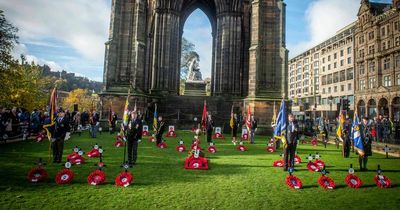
x=20, y=123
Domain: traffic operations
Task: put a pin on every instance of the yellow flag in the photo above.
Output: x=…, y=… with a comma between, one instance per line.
x=231, y=121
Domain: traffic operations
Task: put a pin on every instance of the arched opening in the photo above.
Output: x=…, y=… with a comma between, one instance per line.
x=361, y=108
x=383, y=107
x=198, y=25
x=396, y=108
x=371, y=108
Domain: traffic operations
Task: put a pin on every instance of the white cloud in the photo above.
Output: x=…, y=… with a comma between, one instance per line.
x=81, y=24
x=21, y=49
x=324, y=18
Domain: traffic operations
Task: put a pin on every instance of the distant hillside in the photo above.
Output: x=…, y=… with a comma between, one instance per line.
x=72, y=81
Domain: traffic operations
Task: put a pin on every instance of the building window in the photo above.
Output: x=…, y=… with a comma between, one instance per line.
x=324, y=80
x=329, y=90
x=386, y=81
x=336, y=77
x=362, y=84
x=335, y=56
x=342, y=88
x=329, y=79
x=342, y=75
x=371, y=67
x=350, y=74
x=397, y=61
x=341, y=62
x=334, y=65
x=361, y=68
x=397, y=41
x=398, y=79
x=323, y=60
x=306, y=61
x=396, y=25
x=349, y=50
x=371, y=35
x=371, y=49
x=383, y=45
x=316, y=64
x=371, y=83
x=349, y=60
x=323, y=69
x=349, y=86
x=383, y=31
x=386, y=63
x=316, y=56
x=335, y=89
x=323, y=90
x=329, y=58
x=329, y=67
x=341, y=53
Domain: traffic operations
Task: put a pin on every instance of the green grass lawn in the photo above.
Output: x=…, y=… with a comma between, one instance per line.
x=236, y=180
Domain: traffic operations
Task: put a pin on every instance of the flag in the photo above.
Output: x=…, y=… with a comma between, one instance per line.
x=273, y=121
x=280, y=129
x=125, y=118
x=110, y=115
x=204, y=116
x=357, y=140
x=248, y=120
x=155, y=118
x=52, y=112
x=340, y=126
x=231, y=122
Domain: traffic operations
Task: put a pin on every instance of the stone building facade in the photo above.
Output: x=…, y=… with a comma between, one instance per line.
x=377, y=44
x=249, y=58
x=322, y=75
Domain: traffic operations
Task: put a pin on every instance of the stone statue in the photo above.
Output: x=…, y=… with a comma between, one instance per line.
x=194, y=73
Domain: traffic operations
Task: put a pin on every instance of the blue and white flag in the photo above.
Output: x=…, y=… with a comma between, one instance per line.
x=356, y=133
x=280, y=129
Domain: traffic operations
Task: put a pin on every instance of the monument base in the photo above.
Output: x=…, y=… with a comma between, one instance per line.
x=195, y=88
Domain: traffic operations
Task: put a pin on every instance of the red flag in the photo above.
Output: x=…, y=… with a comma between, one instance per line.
x=248, y=120
x=204, y=116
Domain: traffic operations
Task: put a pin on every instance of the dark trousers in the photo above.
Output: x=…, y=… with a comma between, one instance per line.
x=289, y=154
x=346, y=147
x=132, y=150
x=158, y=139
x=209, y=139
x=58, y=148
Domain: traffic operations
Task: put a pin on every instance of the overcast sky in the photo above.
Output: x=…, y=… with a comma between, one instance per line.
x=70, y=34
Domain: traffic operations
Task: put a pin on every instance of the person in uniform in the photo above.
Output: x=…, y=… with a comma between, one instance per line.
x=133, y=134
x=367, y=143
x=61, y=128
x=159, y=129
x=114, y=119
x=209, y=128
x=253, y=128
x=346, y=138
x=292, y=129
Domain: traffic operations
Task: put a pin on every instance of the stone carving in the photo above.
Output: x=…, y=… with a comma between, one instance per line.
x=194, y=73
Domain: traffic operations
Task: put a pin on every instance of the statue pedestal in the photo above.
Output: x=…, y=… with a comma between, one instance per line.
x=195, y=88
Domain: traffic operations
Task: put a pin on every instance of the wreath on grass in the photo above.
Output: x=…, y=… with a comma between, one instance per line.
x=65, y=176
x=124, y=179
x=97, y=177
x=326, y=182
x=382, y=181
x=313, y=166
x=293, y=182
x=278, y=163
x=37, y=174
x=180, y=148
x=212, y=149
x=353, y=181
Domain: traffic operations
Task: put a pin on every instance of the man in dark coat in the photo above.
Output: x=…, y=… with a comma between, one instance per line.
x=134, y=125
x=346, y=138
x=253, y=128
x=209, y=128
x=61, y=128
x=160, y=129
x=366, y=137
x=292, y=129
x=114, y=119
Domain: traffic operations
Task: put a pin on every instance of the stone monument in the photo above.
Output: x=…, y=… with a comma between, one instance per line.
x=195, y=85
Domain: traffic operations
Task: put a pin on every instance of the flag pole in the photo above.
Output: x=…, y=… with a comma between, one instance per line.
x=123, y=128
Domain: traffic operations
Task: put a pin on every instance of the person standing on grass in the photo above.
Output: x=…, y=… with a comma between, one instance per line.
x=367, y=143
x=160, y=129
x=346, y=131
x=253, y=129
x=209, y=128
x=292, y=136
x=94, y=123
x=134, y=125
x=61, y=128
